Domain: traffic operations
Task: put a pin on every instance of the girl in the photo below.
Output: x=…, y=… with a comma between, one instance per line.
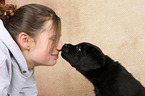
x=29, y=38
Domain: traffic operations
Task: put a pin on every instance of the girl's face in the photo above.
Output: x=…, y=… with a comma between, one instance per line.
x=45, y=48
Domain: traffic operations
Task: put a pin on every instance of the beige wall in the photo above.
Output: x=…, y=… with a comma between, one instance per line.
x=117, y=26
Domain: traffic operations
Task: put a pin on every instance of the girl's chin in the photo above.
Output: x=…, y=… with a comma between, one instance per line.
x=52, y=63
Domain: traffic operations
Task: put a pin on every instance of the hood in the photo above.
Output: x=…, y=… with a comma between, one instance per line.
x=12, y=46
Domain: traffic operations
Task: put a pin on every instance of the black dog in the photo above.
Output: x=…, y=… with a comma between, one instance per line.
x=108, y=77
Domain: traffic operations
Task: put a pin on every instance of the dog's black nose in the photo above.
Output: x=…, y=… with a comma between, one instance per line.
x=65, y=45
x=66, y=48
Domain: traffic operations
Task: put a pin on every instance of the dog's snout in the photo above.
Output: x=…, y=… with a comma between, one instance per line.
x=66, y=48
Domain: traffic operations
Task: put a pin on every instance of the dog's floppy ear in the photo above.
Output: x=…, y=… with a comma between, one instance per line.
x=95, y=59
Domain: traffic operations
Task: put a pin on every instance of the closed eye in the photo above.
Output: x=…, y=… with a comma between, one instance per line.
x=53, y=37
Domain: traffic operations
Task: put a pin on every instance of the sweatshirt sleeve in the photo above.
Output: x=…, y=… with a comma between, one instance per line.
x=4, y=75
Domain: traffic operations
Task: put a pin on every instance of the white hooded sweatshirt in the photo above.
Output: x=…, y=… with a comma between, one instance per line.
x=15, y=78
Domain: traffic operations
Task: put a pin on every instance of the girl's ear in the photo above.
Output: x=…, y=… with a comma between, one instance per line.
x=24, y=40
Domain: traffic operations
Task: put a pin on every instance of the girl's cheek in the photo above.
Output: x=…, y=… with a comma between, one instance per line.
x=51, y=47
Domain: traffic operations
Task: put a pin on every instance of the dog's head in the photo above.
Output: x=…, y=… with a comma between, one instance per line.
x=84, y=56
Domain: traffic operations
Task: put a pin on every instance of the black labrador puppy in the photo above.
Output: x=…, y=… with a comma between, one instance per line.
x=109, y=78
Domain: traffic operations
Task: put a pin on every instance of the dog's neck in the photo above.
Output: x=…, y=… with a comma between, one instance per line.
x=99, y=76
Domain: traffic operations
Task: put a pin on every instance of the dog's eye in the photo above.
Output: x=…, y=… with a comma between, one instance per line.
x=79, y=48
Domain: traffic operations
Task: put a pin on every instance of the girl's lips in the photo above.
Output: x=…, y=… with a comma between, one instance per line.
x=54, y=55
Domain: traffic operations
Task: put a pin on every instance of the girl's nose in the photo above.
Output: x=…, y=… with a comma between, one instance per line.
x=59, y=46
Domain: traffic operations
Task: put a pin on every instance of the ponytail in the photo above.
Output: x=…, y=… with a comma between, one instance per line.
x=6, y=12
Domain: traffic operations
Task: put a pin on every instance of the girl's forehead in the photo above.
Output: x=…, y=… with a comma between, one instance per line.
x=52, y=29
x=47, y=25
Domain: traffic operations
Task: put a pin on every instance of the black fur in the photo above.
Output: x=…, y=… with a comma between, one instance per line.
x=109, y=78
